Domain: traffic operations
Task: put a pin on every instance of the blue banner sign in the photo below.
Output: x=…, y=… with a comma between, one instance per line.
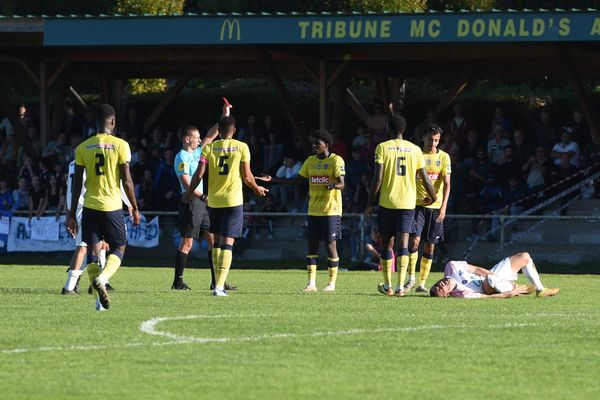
x=346, y=29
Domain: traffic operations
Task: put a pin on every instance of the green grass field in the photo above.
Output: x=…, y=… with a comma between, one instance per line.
x=268, y=340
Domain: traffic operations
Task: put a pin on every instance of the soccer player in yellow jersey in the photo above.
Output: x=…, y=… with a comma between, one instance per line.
x=429, y=218
x=228, y=164
x=105, y=159
x=325, y=174
x=397, y=163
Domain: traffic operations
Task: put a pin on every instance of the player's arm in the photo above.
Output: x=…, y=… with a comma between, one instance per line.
x=517, y=291
x=129, y=192
x=474, y=269
x=185, y=182
x=213, y=132
x=445, y=197
x=77, y=183
x=338, y=184
x=196, y=178
x=374, y=187
x=427, y=184
x=249, y=180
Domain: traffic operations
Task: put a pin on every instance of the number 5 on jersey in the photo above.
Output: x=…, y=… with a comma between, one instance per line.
x=223, y=165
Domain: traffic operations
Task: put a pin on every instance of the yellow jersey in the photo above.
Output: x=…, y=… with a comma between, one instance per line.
x=224, y=159
x=319, y=172
x=437, y=167
x=101, y=156
x=400, y=160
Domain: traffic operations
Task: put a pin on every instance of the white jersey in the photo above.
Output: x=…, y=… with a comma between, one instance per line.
x=468, y=284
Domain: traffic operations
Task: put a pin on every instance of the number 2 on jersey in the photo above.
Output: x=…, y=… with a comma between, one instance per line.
x=400, y=167
x=99, y=164
x=223, y=165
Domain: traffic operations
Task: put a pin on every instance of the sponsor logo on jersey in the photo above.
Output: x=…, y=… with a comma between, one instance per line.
x=181, y=166
x=105, y=146
x=225, y=149
x=319, y=180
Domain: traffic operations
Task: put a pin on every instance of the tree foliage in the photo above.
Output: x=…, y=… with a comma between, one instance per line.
x=154, y=7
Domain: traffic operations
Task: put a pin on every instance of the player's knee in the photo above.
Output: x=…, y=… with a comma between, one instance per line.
x=414, y=244
x=82, y=250
x=525, y=256
x=185, y=245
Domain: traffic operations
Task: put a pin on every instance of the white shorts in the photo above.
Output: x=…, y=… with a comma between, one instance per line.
x=504, y=270
x=502, y=277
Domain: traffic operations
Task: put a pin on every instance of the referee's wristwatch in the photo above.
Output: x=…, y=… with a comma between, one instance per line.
x=203, y=197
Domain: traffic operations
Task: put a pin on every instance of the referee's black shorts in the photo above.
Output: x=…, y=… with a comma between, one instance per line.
x=193, y=218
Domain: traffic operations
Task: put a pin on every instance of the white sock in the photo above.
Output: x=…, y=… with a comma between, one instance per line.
x=102, y=259
x=399, y=288
x=72, y=277
x=102, y=280
x=312, y=282
x=411, y=277
x=531, y=273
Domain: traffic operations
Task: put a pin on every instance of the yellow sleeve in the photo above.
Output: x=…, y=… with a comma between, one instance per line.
x=379, y=154
x=79, y=156
x=245, y=152
x=446, y=165
x=304, y=169
x=340, y=167
x=420, y=159
x=205, y=152
x=124, y=153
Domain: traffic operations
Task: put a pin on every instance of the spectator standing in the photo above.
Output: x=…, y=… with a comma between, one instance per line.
x=538, y=169
x=545, y=132
x=378, y=122
x=496, y=145
x=6, y=196
x=523, y=147
x=166, y=183
x=24, y=118
x=508, y=166
x=27, y=170
x=38, y=198
x=458, y=126
x=21, y=196
x=500, y=118
x=581, y=130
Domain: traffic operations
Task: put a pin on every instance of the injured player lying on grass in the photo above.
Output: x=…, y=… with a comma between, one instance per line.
x=470, y=281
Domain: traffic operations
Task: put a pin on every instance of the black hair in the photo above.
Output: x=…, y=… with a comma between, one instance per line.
x=104, y=112
x=225, y=123
x=396, y=126
x=324, y=136
x=432, y=129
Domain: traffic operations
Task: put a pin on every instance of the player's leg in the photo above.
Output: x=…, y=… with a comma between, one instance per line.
x=334, y=233
x=413, y=257
x=231, y=226
x=74, y=272
x=523, y=261
x=113, y=230
x=185, y=245
x=386, y=221
x=425, y=266
x=313, y=238
x=405, y=222
x=210, y=245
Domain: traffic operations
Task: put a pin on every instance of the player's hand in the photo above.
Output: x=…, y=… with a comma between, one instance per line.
x=135, y=216
x=264, y=177
x=187, y=197
x=331, y=186
x=72, y=226
x=441, y=216
x=261, y=191
x=427, y=200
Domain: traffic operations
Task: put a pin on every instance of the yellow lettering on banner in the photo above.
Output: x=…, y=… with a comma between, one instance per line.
x=434, y=28
x=509, y=29
x=539, y=27
x=564, y=27
x=595, y=27
x=384, y=29
x=417, y=28
x=355, y=29
x=478, y=28
x=522, y=28
x=303, y=25
x=328, y=29
x=317, y=30
x=462, y=29
x=495, y=28
x=371, y=29
x=340, y=29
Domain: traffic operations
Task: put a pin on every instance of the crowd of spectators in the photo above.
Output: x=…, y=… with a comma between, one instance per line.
x=494, y=164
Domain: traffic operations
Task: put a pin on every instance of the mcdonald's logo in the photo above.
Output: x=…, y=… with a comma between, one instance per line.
x=231, y=26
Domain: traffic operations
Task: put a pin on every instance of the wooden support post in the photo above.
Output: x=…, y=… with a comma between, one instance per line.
x=396, y=85
x=11, y=112
x=166, y=101
x=339, y=102
x=32, y=75
x=104, y=89
x=78, y=97
x=57, y=73
x=453, y=93
x=323, y=98
x=358, y=108
x=314, y=76
x=285, y=99
x=383, y=89
x=582, y=98
x=338, y=71
x=59, y=104
x=44, y=123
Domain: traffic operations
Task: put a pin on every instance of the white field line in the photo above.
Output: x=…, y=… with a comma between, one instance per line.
x=149, y=327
